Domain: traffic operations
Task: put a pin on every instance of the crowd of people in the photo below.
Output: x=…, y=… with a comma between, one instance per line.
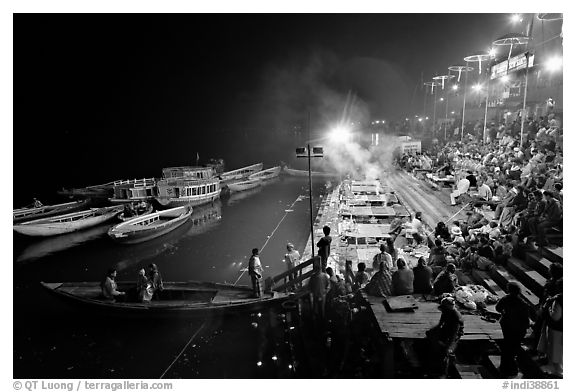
x=521, y=183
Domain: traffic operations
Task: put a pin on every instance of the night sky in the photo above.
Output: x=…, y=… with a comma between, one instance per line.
x=105, y=97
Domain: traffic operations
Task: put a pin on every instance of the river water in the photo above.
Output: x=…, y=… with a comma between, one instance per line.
x=54, y=340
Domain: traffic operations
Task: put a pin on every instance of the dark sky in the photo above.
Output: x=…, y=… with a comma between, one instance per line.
x=102, y=97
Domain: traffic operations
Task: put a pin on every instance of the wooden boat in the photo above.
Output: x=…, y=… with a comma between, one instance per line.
x=102, y=191
x=144, y=228
x=244, y=185
x=148, y=210
x=27, y=214
x=266, y=174
x=304, y=173
x=187, y=186
x=67, y=223
x=177, y=298
x=241, y=173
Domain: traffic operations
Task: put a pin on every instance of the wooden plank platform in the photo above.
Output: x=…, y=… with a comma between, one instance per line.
x=502, y=277
x=413, y=325
x=529, y=278
x=538, y=263
x=554, y=255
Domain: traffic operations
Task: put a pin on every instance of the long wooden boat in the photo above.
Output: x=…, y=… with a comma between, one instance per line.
x=67, y=223
x=304, y=173
x=241, y=173
x=144, y=228
x=266, y=174
x=27, y=214
x=244, y=185
x=177, y=298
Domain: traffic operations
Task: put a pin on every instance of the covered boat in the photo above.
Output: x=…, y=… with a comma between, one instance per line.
x=67, y=223
x=144, y=228
x=177, y=298
x=187, y=185
x=244, y=185
x=29, y=213
x=266, y=174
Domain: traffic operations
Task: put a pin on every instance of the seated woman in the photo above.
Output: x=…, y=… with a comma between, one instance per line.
x=109, y=287
x=402, y=279
x=381, y=283
x=361, y=278
x=143, y=287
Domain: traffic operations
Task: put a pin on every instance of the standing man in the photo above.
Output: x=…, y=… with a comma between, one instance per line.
x=444, y=337
x=324, y=247
x=319, y=286
x=515, y=321
x=292, y=259
x=255, y=272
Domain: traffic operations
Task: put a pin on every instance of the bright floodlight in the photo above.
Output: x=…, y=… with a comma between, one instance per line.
x=492, y=52
x=477, y=87
x=455, y=87
x=504, y=79
x=340, y=135
x=441, y=99
x=554, y=64
x=516, y=18
x=420, y=119
x=452, y=112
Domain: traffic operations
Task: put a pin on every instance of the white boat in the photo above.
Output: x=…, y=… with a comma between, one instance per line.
x=266, y=174
x=147, y=227
x=67, y=223
x=149, y=209
x=244, y=185
x=29, y=213
x=241, y=173
x=304, y=173
x=187, y=186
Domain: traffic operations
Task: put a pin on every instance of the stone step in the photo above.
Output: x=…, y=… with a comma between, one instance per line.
x=467, y=372
x=529, y=278
x=493, y=362
x=538, y=263
x=554, y=255
x=482, y=278
x=502, y=277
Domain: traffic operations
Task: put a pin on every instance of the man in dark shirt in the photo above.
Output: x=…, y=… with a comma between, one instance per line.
x=472, y=178
x=515, y=321
x=324, y=247
x=444, y=337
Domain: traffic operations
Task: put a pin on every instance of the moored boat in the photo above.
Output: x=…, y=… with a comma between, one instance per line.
x=137, y=213
x=244, y=185
x=144, y=228
x=67, y=223
x=26, y=214
x=241, y=173
x=187, y=185
x=304, y=173
x=266, y=174
x=177, y=298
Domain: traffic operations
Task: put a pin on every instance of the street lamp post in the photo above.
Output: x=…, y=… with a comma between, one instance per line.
x=460, y=69
x=527, y=54
x=486, y=109
x=304, y=152
x=442, y=79
x=474, y=58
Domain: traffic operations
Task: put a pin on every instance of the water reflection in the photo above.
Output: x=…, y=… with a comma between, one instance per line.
x=203, y=219
x=48, y=246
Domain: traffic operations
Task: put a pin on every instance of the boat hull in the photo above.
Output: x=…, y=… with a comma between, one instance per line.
x=44, y=228
x=266, y=174
x=129, y=233
x=244, y=185
x=27, y=214
x=304, y=173
x=181, y=299
x=193, y=201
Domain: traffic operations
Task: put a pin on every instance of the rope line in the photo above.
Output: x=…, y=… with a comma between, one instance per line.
x=184, y=349
x=271, y=235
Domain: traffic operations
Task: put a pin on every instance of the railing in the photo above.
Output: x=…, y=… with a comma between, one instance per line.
x=136, y=182
x=284, y=278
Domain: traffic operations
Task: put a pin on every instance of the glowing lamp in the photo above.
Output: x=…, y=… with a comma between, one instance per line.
x=455, y=87
x=340, y=135
x=477, y=87
x=554, y=64
x=516, y=18
x=504, y=79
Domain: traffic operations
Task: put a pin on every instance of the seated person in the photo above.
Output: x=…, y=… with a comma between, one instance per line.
x=422, y=277
x=109, y=287
x=361, y=279
x=402, y=279
x=446, y=281
x=461, y=189
x=381, y=283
